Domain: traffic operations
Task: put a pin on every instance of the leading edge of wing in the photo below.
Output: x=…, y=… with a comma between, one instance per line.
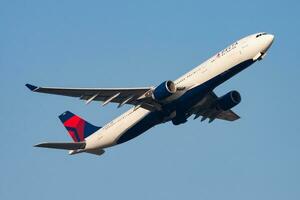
x=134, y=96
x=36, y=88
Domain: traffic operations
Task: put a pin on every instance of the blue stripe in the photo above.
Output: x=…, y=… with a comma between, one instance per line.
x=183, y=104
x=146, y=123
x=196, y=94
x=193, y=96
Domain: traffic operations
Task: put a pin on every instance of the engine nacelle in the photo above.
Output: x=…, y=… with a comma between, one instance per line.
x=164, y=90
x=229, y=100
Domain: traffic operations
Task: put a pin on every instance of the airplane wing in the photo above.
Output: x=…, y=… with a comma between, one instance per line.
x=134, y=96
x=209, y=110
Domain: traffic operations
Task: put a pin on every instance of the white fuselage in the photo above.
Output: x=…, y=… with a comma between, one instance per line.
x=248, y=48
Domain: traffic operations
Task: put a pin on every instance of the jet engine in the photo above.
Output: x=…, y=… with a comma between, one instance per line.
x=229, y=100
x=164, y=90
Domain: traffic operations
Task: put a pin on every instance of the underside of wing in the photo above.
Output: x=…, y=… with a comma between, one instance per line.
x=134, y=96
x=208, y=109
x=228, y=115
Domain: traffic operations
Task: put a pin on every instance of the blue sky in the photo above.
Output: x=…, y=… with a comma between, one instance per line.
x=142, y=43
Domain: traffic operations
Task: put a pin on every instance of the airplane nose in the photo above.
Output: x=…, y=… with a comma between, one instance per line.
x=271, y=37
x=268, y=41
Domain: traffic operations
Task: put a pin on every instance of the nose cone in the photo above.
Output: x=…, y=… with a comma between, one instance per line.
x=268, y=41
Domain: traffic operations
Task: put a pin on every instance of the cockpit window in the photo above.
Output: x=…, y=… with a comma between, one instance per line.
x=258, y=35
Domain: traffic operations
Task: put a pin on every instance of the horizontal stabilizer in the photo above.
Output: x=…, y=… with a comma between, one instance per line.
x=62, y=145
x=97, y=152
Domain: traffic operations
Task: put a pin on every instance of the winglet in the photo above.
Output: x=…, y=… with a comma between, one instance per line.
x=31, y=87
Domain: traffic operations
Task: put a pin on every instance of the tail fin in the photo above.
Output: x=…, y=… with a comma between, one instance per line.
x=77, y=127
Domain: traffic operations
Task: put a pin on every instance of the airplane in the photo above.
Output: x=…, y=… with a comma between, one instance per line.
x=175, y=101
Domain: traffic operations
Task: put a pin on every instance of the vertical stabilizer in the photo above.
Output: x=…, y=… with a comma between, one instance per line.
x=77, y=127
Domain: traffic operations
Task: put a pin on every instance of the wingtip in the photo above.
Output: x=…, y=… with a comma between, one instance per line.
x=38, y=145
x=31, y=87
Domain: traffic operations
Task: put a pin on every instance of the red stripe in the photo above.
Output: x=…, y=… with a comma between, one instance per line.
x=78, y=124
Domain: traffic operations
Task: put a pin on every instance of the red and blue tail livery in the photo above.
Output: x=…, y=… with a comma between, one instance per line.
x=77, y=127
